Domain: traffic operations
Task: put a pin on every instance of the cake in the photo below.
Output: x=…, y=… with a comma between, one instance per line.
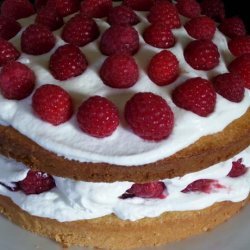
x=125, y=126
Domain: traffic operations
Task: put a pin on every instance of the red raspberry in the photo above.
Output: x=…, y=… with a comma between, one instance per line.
x=37, y=40
x=96, y=8
x=165, y=12
x=214, y=9
x=39, y=4
x=146, y=190
x=159, y=36
x=52, y=104
x=8, y=52
x=149, y=116
x=64, y=7
x=201, y=27
x=67, y=61
x=196, y=95
x=230, y=86
x=36, y=183
x=122, y=15
x=189, y=8
x=239, y=45
x=233, y=27
x=119, y=71
x=238, y=169
x=140, y=5
x=202, y=54
x=80, y=30
x=98, y=117
x=9, y=27
x=49, y=18
x=119, y=39
x=163, y=68
x=202, y=185
x=17, y=81
x=17, y=8
x=241, y=66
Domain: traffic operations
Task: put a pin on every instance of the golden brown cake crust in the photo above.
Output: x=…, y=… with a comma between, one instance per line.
x=205, y=152
x=109, y=232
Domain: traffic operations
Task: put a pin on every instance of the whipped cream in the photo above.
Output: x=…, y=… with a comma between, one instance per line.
x=75, y=200
x=123, y=147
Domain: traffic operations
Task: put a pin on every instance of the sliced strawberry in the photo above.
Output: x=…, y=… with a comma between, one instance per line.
x=238, y=169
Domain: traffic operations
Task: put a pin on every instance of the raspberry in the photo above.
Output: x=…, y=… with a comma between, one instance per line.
x=159, y=36
x=238, y=169
x=233, y=27
x=241, y=66
x=214, y=9
x=122, y=15
x=96, y=8
x=49, y=18
x=239, y=45
x=8, y=52
x=98, y=117
x=140, y=5
x=230, y=86
x=52, y=104
x=9, y=27
x=17, y=81
x=146, y=190
x=17, y=9
x=67, y=61
x=189, y=8
x=149, y=116
x=64, y=7
x=119, y=71
x=201, y=27
x=119, y=39
x=163, y=68
x=37, y=40
x=36, y=183
x=202, y=54
x=39, y=4
x=80, y=30
x=165, y=12
x=196, y=95
x=203, y=186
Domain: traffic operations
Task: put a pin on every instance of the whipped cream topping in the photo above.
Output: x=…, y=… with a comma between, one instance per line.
x=123, y=147
x=75, y=200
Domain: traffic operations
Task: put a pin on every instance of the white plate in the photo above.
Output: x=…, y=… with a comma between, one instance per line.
x=233, y=235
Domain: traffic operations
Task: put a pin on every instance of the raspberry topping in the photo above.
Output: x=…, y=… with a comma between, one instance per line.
x=36, y=183
x=80, y=30
x=238, y=169
x=119, y=39
x=52, y=104
x=214, y=9
x=189, y=8
x=241, y=66
x=49, y=18
x=140, y=5
x=8, y=52
x=67, y=61
x=9, y=27
x=163, y=68
x=39, y=4
x=203, y=185
x=196, y=95
x=155, y=190
x=17, y=8
x=149, y=116
x=202, y=54
x=240, y=45
x=122, y=15
x=17, y=81
x=98, y=117
x=165, y=12
x=119, y=71
x=37, y=40
x=159, y=36
x=201, y=27
x=230, y=86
